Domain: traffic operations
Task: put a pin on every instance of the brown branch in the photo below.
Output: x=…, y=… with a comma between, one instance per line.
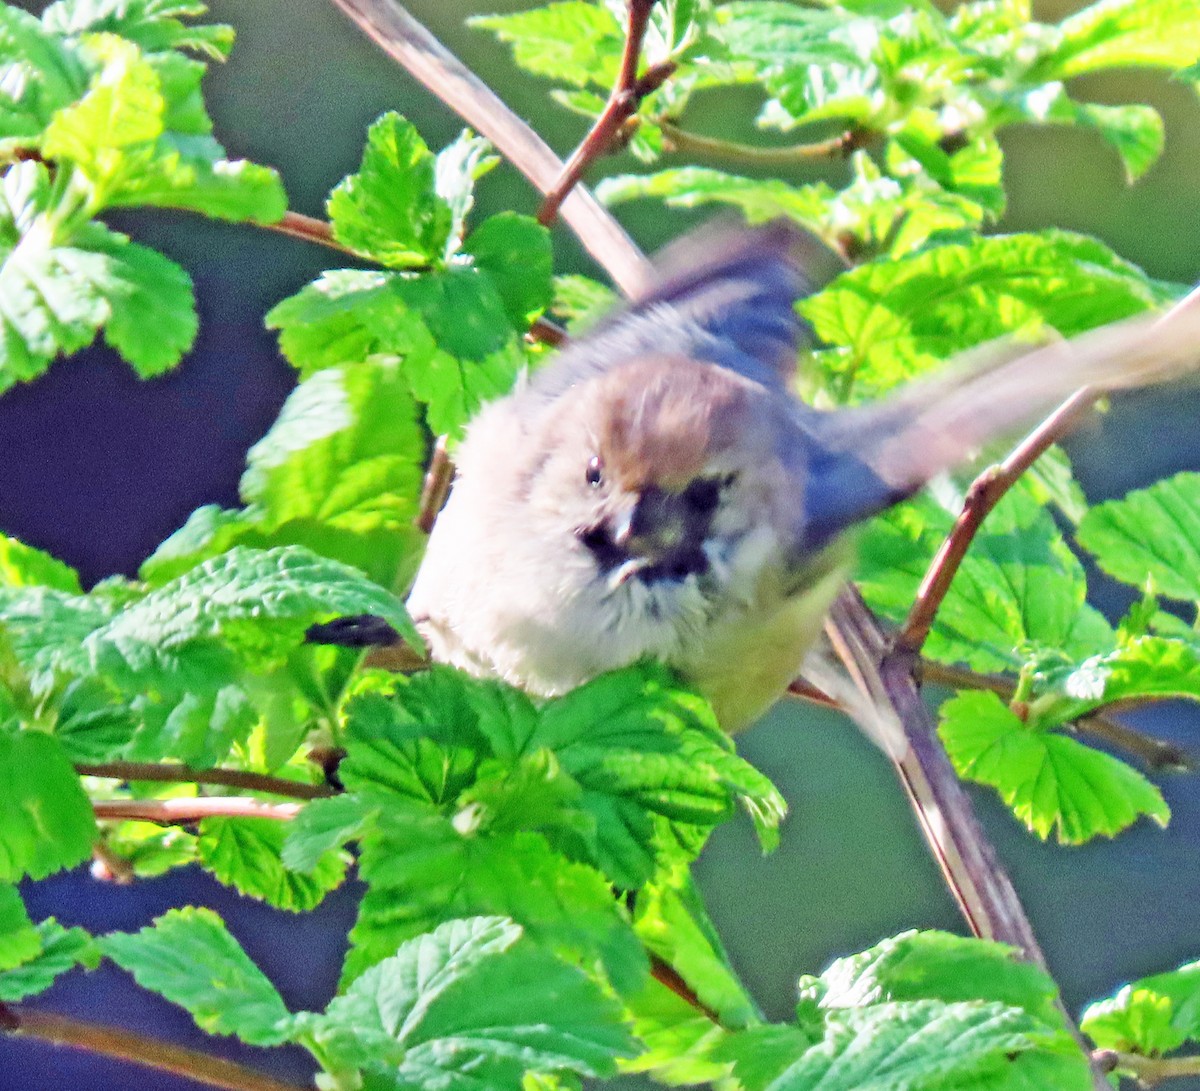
x=667, y=976
x=185, y=774
x=435, y=487
x=129, y=1046
x=108, y=867
x=179, y=812
x=973, y=873
x=427, y=60
x=308, y=228
x=627, y=94
x=984, y=494
x=680, y=140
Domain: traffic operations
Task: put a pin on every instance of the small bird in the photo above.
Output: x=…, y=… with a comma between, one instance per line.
x=657, y=491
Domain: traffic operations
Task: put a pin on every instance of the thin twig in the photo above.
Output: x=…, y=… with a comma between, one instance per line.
x=435, y=487
x=681, y=140
x=427, y=60
x=1148, y=1071
x=667, y=976
x=184, y=774
x=108, y=867
x=179, y=812
x=129, y=1046
x=984, y=494
x=308, y=228
x=627, y=94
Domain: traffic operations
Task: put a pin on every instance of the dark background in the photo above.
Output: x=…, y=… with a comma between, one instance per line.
x=99, y=467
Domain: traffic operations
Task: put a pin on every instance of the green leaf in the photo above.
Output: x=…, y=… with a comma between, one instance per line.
x=671, y=921
x=895, y=319
x=389, y=210
x=22, y=565
x=1019, y=595
x=450, y=330
x=916, y=1045
x=581, y=300
x=189, y=957
x=19, y=940
x=1151, y=533
x=46, y=74
x=153, y=24
x=572, y=41
x=1126, y=34
x=58, y=293
x=515, y=252
x=937, y=966
x=260, y=600
x=245, y=853
x=322, y=826
x=457, y=167
x=421, y=871
x=140, y=136
x=1050, y=782
x=472, y=1004
x=1146, y=667
x=1135, y=131
x=57, y=950
x=46, y=820
x=1150, y=1016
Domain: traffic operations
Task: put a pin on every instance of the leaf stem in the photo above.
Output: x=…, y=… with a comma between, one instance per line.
x=623, y=103
x=129, y=1046
x=184, y=774
x=178, y=812
x=689, y=143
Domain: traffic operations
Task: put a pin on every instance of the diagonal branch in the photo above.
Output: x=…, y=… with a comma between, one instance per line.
x=404, y=39
x=180, y=812
x=134, y=1048
x=970, y=866
x=623, y=103
x=173, y=773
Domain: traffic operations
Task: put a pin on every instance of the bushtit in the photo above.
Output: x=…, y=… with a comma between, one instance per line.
x=657, y=491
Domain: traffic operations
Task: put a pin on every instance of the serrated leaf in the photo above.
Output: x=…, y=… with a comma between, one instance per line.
x=1126, y=34
x=894, y=319
x=472, y=1001
x=189, y=957
x=152, y=24
x=346, y=452
x=421, y=871
x=262, y=599
x=450, y=330
x=1050, y=782
x=58, y=950
x=57, y=295
x=672, y=922
x=940, y=966
x=1150, y=533
x=581, y=300
x=1150, y=1016
x=46, y=820
x=389, y=209
x=19, y=940
x=914, y=1045
x=457, y=167
x=245, y=853
x=515, y=252
x=321, y=827
x=23, y=565
x=44, y=74
x=571, y=41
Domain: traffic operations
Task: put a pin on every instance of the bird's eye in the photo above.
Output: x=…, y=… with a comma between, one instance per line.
x=703, y=495
x=595, y=471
